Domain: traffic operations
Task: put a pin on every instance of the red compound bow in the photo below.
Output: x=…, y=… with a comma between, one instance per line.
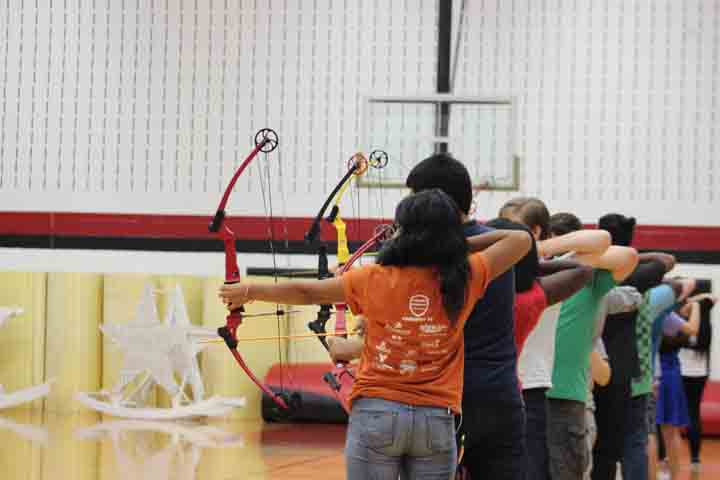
x=266, y=140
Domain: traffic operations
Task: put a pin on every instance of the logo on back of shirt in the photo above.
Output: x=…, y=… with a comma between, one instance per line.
x=419, y=305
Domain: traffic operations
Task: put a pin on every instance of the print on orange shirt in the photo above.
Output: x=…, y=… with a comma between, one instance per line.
x=412, y=354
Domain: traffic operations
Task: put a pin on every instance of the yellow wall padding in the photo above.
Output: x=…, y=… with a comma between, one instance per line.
x=221, y=373
x=70, y=457
x=72, y=356
x=136, y=455
x=22, y=338
x=242, y=461
x=122, y=294
x=192, y=289
x=20, y=457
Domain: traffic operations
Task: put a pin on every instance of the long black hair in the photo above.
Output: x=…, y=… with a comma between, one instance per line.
x=430, y=234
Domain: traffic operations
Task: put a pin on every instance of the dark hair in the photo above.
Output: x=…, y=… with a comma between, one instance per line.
x=510, y=208
x=563, y=223
x=529, y=210
x=526, y=270
x=621, y=228
x=430, y=234
x=446, y=173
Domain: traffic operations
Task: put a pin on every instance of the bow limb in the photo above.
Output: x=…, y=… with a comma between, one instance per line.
x=265, y=141
x=357, y=166
x=341, y=375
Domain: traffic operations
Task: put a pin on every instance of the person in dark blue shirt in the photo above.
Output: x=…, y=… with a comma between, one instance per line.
x=492, y=427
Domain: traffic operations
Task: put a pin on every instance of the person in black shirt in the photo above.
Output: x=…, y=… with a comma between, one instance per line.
x=493, y=420
x=617, y=414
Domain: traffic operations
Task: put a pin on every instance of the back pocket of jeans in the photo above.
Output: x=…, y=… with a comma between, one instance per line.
x=441, y=432
x=378, y=427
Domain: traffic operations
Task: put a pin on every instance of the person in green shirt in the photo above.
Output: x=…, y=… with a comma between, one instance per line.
x=568, y=456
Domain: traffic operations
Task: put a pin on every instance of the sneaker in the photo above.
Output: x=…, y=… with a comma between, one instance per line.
x=695, y=467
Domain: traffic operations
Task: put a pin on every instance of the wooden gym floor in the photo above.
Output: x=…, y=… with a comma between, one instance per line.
x=40, y=446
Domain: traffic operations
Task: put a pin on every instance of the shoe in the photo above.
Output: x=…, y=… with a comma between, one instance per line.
x=695, y=467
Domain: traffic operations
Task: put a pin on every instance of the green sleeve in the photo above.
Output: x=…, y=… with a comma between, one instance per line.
x=603, y=282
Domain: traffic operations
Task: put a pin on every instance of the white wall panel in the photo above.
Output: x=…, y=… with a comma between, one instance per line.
x=147, y=106
x=618, y=101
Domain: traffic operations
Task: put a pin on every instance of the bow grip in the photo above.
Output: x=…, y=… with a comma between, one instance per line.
x=217, y=221
x=317, y=326
x=313, y=233
x=333, y=214
x=323, y=267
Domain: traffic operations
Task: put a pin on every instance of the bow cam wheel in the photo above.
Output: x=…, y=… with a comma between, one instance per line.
x=359, y=162
x=268, y=139
x=378, y=159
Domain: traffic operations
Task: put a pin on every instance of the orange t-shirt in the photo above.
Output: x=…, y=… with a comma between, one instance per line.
x=411, y=354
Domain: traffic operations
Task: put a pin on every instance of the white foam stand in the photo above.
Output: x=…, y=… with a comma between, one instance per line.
x=6, y=313
x=9, y=400
x=204, y=436
x=211, y=407
x=29, y=432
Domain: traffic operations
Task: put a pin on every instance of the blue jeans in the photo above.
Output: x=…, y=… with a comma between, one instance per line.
x=385, y=438
x=635, y=460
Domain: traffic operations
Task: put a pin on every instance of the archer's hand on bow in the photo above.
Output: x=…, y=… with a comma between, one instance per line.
x=344, y=350
x=348, y=349
x=234, y=295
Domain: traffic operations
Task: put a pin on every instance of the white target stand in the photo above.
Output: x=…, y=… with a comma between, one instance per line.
x=162, y=354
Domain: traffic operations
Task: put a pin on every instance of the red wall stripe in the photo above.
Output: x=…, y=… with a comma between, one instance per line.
x=165, y=226
x=678, y=238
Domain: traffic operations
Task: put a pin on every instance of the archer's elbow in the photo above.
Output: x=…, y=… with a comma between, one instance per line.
x=669, y=261
x=524, y=241
x=691, y=330
x=627, y=261
x=603, y=240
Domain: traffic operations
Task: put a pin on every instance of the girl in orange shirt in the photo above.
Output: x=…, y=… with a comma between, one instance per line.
x=416, y=299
